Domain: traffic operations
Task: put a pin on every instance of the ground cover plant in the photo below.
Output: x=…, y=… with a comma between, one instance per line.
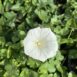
x=17, y=17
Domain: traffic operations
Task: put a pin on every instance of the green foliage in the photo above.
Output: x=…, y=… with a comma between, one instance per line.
x=71, y=74
x=17, y=17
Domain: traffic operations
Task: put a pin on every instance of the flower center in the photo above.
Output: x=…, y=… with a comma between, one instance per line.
x=40, y=43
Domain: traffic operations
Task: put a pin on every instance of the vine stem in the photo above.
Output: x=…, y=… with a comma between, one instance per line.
x=70, y=33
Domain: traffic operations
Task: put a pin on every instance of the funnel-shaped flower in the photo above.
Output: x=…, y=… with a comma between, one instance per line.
x=40, y=44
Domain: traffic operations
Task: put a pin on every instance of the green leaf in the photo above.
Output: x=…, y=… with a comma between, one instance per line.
x=59, y=68
x=33, y=63
x=2, y=41
x=11, y=71
x=47, y=67
x=42, y=15
x=16, y=7
x=73, y=54
x=59, y=56
x=44, y=75
x=71, y=74
x=10, y=15
x=9, y=52
x=1, y=8
x=24, y=72
x=34, y=2
x=56, y=75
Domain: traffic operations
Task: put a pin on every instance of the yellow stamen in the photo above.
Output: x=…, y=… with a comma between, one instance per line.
x=39, y=44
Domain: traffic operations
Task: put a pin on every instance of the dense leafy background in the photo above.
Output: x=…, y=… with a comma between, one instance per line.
x=19, y=16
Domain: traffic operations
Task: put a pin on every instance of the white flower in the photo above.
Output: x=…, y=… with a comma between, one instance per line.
x=40, y=44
